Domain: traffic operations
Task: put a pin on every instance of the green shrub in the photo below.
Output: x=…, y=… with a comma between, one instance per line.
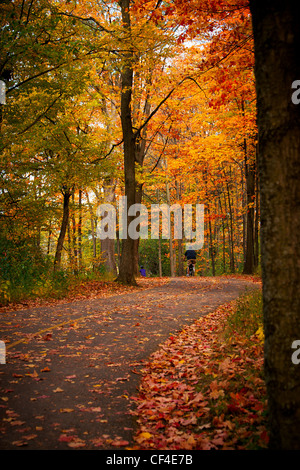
x=26, y=273
x=247, y=318
x=148, y=257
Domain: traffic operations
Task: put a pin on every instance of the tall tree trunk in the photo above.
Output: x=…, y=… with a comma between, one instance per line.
x=80, y=229
x=140, y=156
x=63, y=229
x=159, y=256
x=223, y=235
x=250, y=195
x=180, y=257
x=108, y=245
x=277, y=66
x=108, y=255
x=69, y=249
x=74, y=237
x=180, y=241
x=93, y=228
x=49, y=239
x=211, y=244
x=231, y=237
x=138, y=200
x=257, y=215
x=172, y=264
x=127, y=266
x=159, y=241
x=134, y=149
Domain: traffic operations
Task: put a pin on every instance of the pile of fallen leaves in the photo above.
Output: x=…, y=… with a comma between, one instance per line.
x=204, y=391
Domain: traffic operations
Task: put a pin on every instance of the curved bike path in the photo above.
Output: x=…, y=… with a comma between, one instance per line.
x=71, y=368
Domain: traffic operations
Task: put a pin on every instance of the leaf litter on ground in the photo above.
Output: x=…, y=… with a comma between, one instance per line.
x=202, y=391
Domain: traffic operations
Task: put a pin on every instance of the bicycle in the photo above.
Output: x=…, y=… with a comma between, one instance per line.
x=190, y=270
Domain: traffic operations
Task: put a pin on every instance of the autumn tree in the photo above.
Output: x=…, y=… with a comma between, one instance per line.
x=206, y=130
x=48, y=143
x=134, y=59
x=277, y=43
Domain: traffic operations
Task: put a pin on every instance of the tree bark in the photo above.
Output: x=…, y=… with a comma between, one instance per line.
x=172, y=264
x=277, y=44
x=138, y=200
x=250, y=196
x=230, y=230
x=80, y=229
x=74, y=238
x=93, y=231
x=159, y=257
x=257, y=214
x=63, y=229
x=108, y=245
x=127, y=265
x=211, y=244
x=180, y=241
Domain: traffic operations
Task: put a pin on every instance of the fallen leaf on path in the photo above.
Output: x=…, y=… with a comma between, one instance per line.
x=98, y=442
x=65, y=438
x=77, y=443
x=119, y=443
x=20, y=443
x=47, y=337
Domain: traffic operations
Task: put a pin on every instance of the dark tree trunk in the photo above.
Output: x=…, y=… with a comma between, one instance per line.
x=250, y=196
x=257, y=214
x=74, y=238
x=231, y=235
x=127, y=265
x=277, y=65
x=138, y=200
x=108, y=245
x=108, y=255
x=63, y=229
x=211, y=243
x=80, y=229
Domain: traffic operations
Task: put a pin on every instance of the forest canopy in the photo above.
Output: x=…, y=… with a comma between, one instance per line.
x=154, y=100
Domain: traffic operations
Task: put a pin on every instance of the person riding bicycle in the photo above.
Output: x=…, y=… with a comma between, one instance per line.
x=190, y=256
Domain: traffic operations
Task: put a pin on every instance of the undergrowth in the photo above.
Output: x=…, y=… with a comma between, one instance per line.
x=247, y=317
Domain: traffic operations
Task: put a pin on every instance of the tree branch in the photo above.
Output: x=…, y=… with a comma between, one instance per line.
x=87, y=21
x=162, y=102
x=40, y=116
x=33, y=77
x=162, y=152
x=107, y=155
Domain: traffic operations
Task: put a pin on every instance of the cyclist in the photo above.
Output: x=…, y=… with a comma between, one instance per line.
x=190, y=256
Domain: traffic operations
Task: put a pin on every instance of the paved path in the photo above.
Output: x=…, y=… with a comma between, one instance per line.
x=71, y=369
